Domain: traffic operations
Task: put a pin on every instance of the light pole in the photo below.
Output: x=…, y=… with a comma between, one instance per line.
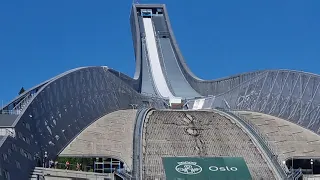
x=45, y=159
x=311, y=162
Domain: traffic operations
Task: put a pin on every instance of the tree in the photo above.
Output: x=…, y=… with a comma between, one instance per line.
x=21, y=91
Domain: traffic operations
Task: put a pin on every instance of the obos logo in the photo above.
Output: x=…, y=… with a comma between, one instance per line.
x=187, y=167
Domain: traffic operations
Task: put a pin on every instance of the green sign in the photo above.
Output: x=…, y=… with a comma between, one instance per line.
x=209, y=168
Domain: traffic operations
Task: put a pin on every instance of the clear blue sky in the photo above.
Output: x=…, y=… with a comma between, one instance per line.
x=40, y=39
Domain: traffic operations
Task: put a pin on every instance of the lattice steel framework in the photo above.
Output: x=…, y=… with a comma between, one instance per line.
x=59, y=110
x=291, y=95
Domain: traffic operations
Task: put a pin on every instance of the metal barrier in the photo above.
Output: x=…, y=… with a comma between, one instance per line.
x=137, y=143
x=156, y=98
x=18, y=108
x=123, y=174
x=12, y=112
x=71, y=167
x=70, y=173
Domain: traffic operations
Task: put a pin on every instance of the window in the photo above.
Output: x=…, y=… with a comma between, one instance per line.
x=28, y=126
x=25, y=154
x=28, y=140
x=6, y=175
x=5, y=157
x=18, y=165
x=14, y=147
x=20, y=135
x=29, y=156
x=9, y=152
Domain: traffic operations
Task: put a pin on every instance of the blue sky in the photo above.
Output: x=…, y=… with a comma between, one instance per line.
x=41, y=39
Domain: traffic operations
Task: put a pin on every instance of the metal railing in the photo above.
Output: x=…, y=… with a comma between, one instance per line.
x=156, y=98
x=18, y=108
x=11, y=112
x=124, y=174
x=280, y=167
x=23, y=102
x=71, y=167
x=87, y=168
x=137, y=142
x=43, y=171
x=295, y=174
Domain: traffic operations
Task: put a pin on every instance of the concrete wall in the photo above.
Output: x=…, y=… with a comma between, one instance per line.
x=109, y=136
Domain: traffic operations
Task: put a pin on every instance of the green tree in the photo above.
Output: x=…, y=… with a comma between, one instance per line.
x=21, y=91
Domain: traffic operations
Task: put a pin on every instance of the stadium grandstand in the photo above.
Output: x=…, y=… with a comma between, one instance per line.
x=165, y=122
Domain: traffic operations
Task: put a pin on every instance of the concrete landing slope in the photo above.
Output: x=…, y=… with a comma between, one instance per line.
x=109, y=136
x=196, y=134
x=285, y=138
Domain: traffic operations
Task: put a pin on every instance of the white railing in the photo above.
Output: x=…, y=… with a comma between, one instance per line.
x=70, y=173
x=13, y=112
x=23, y=102
x=17, y=109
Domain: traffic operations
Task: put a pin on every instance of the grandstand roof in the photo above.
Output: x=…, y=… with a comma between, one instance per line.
x=109, y=136
x=286, y=138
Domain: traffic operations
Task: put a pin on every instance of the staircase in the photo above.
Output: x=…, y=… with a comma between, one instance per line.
x=37, y=174
x=123, y=175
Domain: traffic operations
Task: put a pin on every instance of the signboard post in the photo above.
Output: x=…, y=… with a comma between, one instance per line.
x=206, y=168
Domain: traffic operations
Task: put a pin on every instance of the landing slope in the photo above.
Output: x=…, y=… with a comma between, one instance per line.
x=205, y=134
